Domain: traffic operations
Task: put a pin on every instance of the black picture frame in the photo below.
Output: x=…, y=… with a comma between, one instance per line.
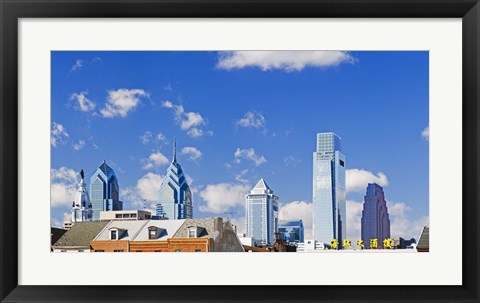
x=12, y=10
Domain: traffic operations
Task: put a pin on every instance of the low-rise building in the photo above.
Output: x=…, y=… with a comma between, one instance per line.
x=310, y=246
x=116, y=235
x=125, y=215
x=424, y=240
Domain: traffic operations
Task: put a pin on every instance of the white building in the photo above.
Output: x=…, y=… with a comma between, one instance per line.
x=310, y=246
x=81, y=207
x=261, y=214
x=125, y=215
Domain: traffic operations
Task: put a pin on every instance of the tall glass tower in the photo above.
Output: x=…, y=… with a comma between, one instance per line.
x=104, y=191
x=261, y=218
x=329, y=199
x=375, y=219
x=175, y=196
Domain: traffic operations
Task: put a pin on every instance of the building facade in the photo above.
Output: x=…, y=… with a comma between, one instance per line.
x=81, y=207
x=261, y=218
x=329, y=190
x=104, y=191
x=291, y=231
x=125, y=215
x=375, y=219
x=175, y=196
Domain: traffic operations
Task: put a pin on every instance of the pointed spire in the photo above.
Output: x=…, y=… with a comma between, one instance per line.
x=174, y=149
x=82, y=174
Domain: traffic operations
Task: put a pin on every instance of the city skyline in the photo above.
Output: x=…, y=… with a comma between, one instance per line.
x=226, y=149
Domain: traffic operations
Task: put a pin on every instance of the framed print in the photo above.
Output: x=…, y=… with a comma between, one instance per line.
x=225, y=151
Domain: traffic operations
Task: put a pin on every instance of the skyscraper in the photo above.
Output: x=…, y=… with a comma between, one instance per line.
x=329, y=201
x=375, y=219
x=81, y=206
x=261, y=214
x=104, y=191
x=175, y=196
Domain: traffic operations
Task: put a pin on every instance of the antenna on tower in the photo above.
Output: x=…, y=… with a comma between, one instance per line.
x=174, y=149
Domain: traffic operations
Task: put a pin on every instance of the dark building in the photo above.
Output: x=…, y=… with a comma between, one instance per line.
x=375, y=219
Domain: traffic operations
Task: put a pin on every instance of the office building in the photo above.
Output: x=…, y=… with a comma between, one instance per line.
x=175, y=196
x=291, y=231
x=104, y=191
x=375, y=219
x=261, y=214
x=329, y=200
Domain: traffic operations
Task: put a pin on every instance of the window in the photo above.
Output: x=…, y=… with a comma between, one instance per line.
x=118, y=250
x=152, y=233
x=133, y=215
x=198, y=250
x=192, y=232
x=178, y=250
x=113, y=234
x=81, y=250
x=139, y=250
x=99, y=250
x=63, y=250
x=158, y=251
x=126, y=215
x=342, y=163
x=117, y=216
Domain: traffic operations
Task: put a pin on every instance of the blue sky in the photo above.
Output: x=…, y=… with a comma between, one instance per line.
x=239, y=117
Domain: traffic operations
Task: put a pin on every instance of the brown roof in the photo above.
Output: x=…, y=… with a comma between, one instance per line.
x=81, y=234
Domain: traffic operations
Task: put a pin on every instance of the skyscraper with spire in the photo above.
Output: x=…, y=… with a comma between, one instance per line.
x=175, y=196
x=104, y=191
x=261, y=214
x=329, y=190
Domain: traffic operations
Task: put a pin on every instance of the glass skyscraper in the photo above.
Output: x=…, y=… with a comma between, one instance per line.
x=104, y=191
x=375, y=219
x=291, y=231
x=261, y=218
x=329, y=198
x=175, y=196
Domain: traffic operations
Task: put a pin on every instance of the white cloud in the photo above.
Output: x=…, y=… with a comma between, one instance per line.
x=298, y=210
x=81, y=102
x=147, y=188
x=401, y=225
x=58, y=134
x=146, y=137
x=249, y=154
x=252, y=119
x=78, y=64
x=354, y=215
x=240, y=177
x=63, y=182
x=79, y=145
x=426, y=133
x=191, y=122
x=197, y=132
x=223, y=196
x=291, y=161
x=283, y=60
x=161, y=138
x=121, y=101
x=192, y=153
x=358, y=179
x=155, y=159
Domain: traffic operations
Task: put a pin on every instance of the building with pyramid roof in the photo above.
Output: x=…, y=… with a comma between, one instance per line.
x=175, y=196
x=261, y=214
x=104, y=191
